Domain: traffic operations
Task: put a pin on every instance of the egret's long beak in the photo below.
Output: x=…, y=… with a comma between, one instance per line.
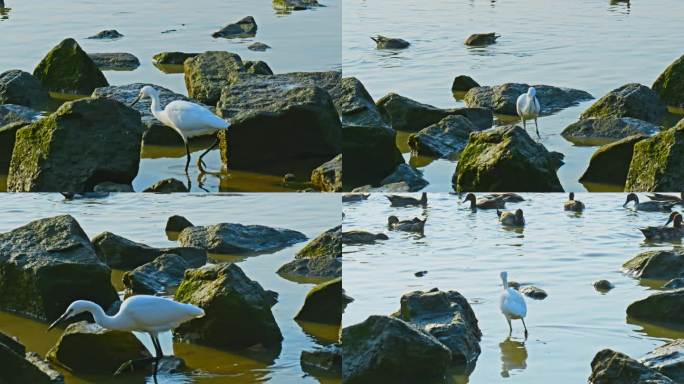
x=61, y=318
x=135, y=101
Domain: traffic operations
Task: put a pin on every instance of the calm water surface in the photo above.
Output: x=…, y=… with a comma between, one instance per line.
x=301, y=41
x=560, y=252
x=593, y=45
x=142, y=218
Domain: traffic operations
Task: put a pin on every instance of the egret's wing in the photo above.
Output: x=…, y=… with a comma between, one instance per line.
x=514, y=303
x=520, y=104
x=537, y=106
x=193, y=118
x=149, y=312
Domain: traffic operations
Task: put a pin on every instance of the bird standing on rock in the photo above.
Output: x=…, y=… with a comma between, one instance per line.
x=528, y=108
x=512, y=304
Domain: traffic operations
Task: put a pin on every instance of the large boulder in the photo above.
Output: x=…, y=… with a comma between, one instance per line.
x=207, y=73
x=8, y=134
x=386, y=349
x=670, y=84
x=82, y=144
x=323, y=304
x=21, y=367
x=630, y=100
x=610, y=163
x=121, y=253
x=667, y=359
x=327, y=243
x=611, y=367
x=237, y=309
x=444, y=139
x=448, y=317
x=502, y=98
x=230, y=238
x=370, y=155
x=355, y=105
x=88, y=348
x=506, y=159
x=606, y=130
x=46, y=265
x=68, y=69
x=328, y=176
x=658, y=162
x=658, y=265
x=156, y=276
x=661, y=307
x=405, y=114
x=22, y=88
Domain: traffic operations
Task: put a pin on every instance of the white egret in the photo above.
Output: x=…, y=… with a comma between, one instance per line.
x=152, y=315
x=187, y=119
x=512, y=304
x=528, y=108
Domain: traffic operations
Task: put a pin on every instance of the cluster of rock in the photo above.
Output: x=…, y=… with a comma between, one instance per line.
x=663, y=365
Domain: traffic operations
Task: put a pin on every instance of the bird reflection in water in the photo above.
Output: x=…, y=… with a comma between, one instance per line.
x=513, y=356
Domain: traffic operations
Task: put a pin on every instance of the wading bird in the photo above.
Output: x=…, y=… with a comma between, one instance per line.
x=648, y=205
x=572, y=204
x=528, y=108
x=512, y=304
x=187, y=119
x=152, y=315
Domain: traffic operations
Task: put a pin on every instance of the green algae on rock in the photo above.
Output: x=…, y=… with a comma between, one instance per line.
x=327, y=243
x=68, y=69
x=660, y=265
x=670, y=84
x=630, y=100
x=328, y=176
x=661, y=307
x=658, y=162
x=610, y=163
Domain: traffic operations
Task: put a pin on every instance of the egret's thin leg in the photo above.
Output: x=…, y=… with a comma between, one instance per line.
x=536, y=127
x=510, y=327
x=524, y=122
x=523, y=321
x=200, y=162
x=187, y=152
x=158, y=354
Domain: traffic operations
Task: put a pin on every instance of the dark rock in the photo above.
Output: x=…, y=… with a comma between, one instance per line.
x=657, y=162
x=323, y=304
x=657, y=265
x=20, y=367
x=610, y=367
x=108, y=186
x=258, y=68
x=601, y=131
x=324, y=267
x=448, y=317
x=259, y=47
x=355, y=105
x=326, y=360
x=387, y=349
x=506, y=159
x=294, y=5
x=662, y=307
x=354, y=197
x=206, y=74
x=667, y=359
x=121, y=253
x=167, y=186
x=534, y=292
x=10, y=113
x=669, y=86
x=172, y=58
x=328, y=176
x=228, y=238
x=463, y=83
x=177, y=223
x=674, y=283
x=603, y=285
x=237, y=309
x=444, y=139
x=68, y=69
x=404, y=173
x=630, y=100
x=480, y=39
x=420, y=273
x=245, y=27
x=328, y=243
x=371, y=155
x=107, y=34
x=47, y=264
x=610, y=163
x=22, y=88
x=361, y=237
x=8, y=135
x=115, y=61
x=383, y=42
x=502, y=98
x=156, y=276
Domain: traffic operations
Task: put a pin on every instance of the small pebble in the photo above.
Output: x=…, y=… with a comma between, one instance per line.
x=603, y=285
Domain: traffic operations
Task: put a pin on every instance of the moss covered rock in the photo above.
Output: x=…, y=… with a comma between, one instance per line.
x=660, y=265
x=502, y=98
x=245, y=27
x=323, y=304
x=630, y=100
x=172, y=58
x=670, y=84
x=177, y=223
x=237, y=309
x=156, y=276
x=658, y=162
x=370, y=155
x=610, y=163
x=506, y=159
x=22, y=88
x=47, y=264
x=206, y=74
x=8, y=134
x=611, y=367
x=328, y=176
x=231, y=238
x=82, y=144
x=599, y=131
x=661, y=307
x=67, y=68
x=318, y=268
x=444, y=139
x=327, y=243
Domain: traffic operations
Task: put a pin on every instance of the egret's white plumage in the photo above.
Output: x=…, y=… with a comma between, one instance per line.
x=512, y=304
x=186, y=118
x=528, y=107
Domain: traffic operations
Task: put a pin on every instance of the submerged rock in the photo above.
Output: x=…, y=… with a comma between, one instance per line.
x=463, y=83
x=607, y=130
x=167, y=186
x=323, y=304
x=662, y=307
x=245, y=27
x=502, y=98
x=658, y=265
x=259, y=47
x=610, y=163
x=406, y=174
x=228, y=238
x=177, y=223
x=479, y=39
x=47, y=264
x=108, y=186
x=444, y=139
x=383, y=42
x=361, y=237
x=328, y=176
x=107, y=34
x=667, y=359
x=207, y=73
x=326, y=360
x=22, y=88
x=156, y=276
x=67, y=68
x=21, y=367
x=611, y=367
x=506, y=159
x=173, y=58
x=387, y=349
x=322, y=267
x=630, y=100
x=237, y=309
x=669, y=86
x=294, y=5
x=355, y=105
x=370, y=155
x=121, y=253
x=82, y=144
x=657, y=162
x=603, y=285
x=115, y=61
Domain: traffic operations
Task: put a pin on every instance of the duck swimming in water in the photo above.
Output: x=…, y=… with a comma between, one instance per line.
x=414, y=225
x=651, y=206
x=572, y=204
x=507, y=197
x=484, y=202
x=354, y=197
x=664, y=197
x=511, y=219
x=405, y=201
x=675, y=232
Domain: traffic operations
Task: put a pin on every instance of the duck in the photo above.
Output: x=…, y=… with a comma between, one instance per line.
x=572, y=204
x=414, y=225
x=508, y=197
x=651, y=206
x=406, y=201
x=511, y=219
x=354, y=197
x=675, y=232
x=480, y=39
x=664, y=197
x=383, y=42
x=512, y=304
x=484, y=202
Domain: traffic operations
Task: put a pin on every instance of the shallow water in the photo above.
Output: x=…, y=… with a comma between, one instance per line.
x=142, y=217
x=560, y=252
x=593, y=45
x=301, y=41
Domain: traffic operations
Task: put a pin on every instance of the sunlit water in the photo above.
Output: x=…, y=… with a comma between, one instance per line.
x=301, y=41
x=560, y=252
x=593, y=45
x=142, y=218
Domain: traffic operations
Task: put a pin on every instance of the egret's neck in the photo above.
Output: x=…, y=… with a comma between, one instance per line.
x=156, y=106
x=101, y=318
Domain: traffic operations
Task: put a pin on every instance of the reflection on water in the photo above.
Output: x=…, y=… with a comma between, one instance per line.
x=142, y=218
x=560, y=252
